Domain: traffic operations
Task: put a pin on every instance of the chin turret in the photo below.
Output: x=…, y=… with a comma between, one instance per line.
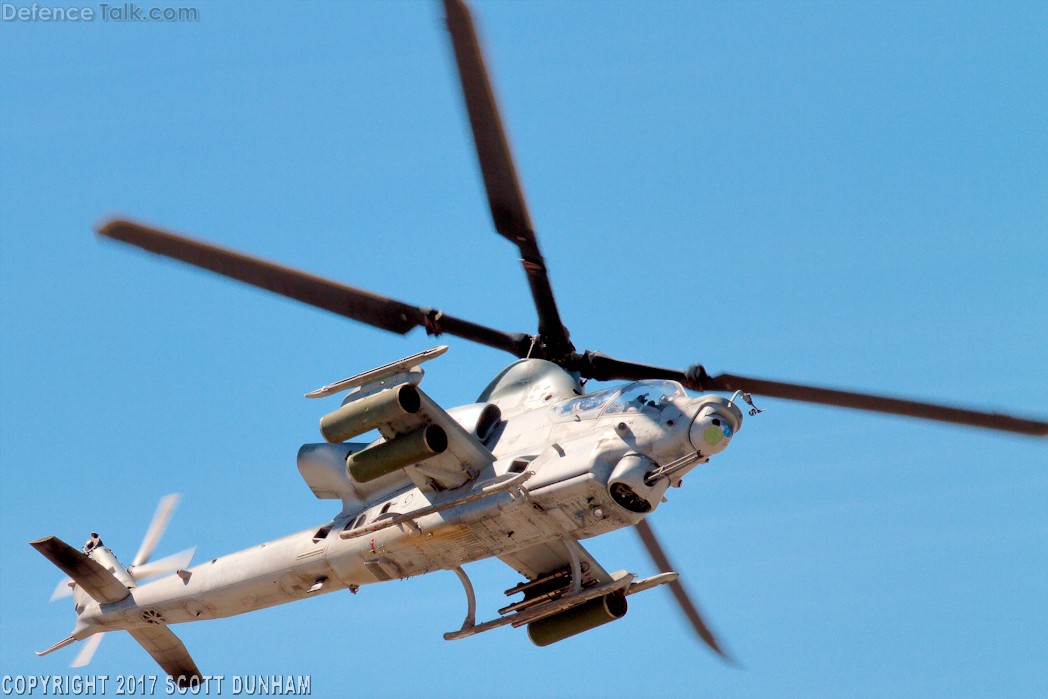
x=716, y=421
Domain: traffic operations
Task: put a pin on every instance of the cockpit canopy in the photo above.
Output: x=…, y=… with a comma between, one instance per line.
x=640, y=396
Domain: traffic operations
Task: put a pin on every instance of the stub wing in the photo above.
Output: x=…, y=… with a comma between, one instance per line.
x=545, y=559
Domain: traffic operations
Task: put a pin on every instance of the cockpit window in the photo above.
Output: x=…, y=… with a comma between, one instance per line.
x=644, y=396
x=585, y=406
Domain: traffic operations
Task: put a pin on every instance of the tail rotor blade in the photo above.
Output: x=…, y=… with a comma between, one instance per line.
x=163, y=513
x=662, y=562
x=63, y=589
x=167, y=564
x=88, y=651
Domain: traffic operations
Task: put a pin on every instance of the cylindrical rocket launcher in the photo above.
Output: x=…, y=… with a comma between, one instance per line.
x=583, y=617
x=359, y=416
x=392, y=404
x=403, y=450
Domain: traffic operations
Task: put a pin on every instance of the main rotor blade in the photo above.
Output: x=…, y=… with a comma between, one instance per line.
x=164, y=509
x=602, y=367
x=662, y=562
x=364, y=306
x=866, y=401
x=509, y=211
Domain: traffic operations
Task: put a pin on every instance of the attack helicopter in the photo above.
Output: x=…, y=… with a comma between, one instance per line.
x=535, y=465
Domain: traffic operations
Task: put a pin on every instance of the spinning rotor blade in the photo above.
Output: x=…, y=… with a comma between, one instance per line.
x=647, y=535
x=509, y=211
x=866, y=401
x=164, y=509
x=379, y=311
x=602, y=367
x=88, y=651
x=64, y=588
x=167, y=564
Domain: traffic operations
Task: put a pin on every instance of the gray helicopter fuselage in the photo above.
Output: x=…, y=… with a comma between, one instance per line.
x=573, y=444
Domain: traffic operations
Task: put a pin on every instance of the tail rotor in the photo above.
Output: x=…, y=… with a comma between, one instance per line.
x=141, y=568
x=88, y=651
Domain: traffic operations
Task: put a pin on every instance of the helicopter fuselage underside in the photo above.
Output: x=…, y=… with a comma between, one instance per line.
x=572, y=449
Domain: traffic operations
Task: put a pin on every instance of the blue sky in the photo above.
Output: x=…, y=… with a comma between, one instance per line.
x=836, y=193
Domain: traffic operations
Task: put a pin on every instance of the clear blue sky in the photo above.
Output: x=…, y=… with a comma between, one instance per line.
x=850, y=194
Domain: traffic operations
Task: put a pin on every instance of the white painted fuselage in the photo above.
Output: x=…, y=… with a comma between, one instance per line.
x=572, y=444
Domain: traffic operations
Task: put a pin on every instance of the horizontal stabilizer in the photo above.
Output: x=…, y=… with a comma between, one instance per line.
x=169, y=652
x=92, y=578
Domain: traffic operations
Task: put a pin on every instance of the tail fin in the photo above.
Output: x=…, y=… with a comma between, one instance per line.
x=161, y=643
x=92, y=578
